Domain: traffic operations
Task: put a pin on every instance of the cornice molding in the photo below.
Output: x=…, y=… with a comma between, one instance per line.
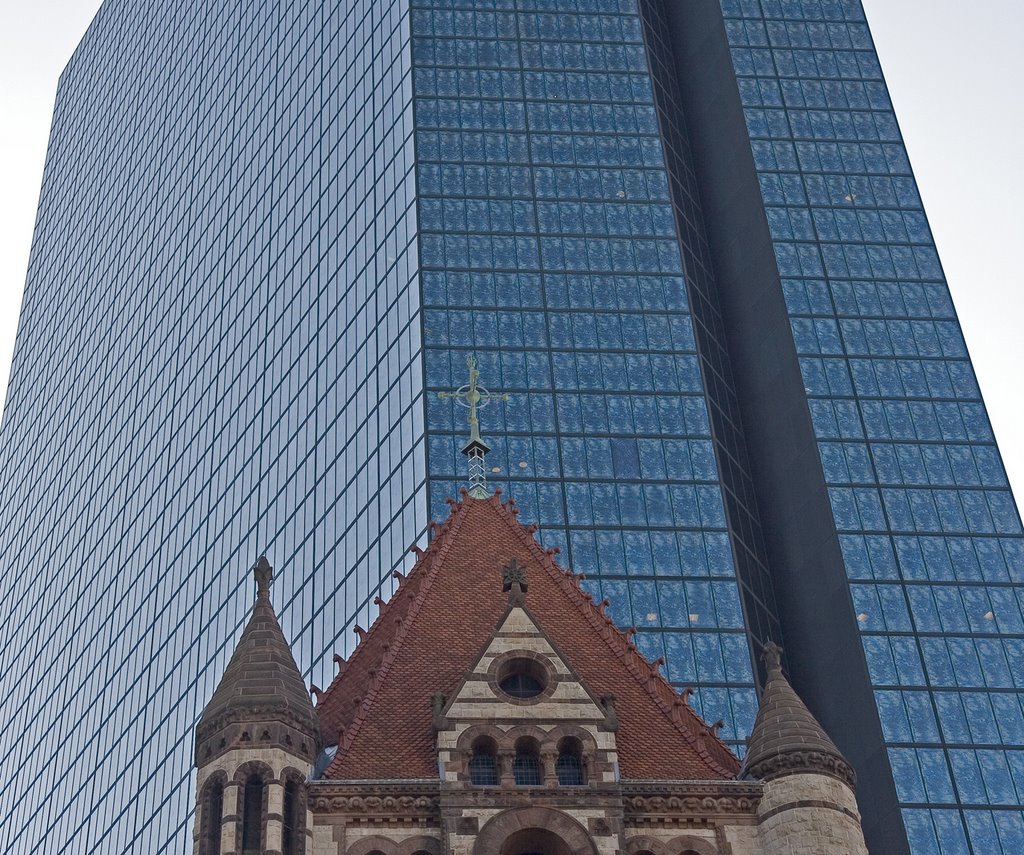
x=807, y=763
x=279, y=713
x=373, y=801
x=675, y=802
x=642, y=802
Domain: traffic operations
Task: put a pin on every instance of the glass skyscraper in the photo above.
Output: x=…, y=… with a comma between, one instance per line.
x=682, y=235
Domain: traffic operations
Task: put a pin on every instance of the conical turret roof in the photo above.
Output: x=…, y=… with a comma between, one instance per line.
x=787, y=739
x=262, y=681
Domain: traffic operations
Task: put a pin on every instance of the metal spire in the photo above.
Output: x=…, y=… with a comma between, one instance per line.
x=475, y=397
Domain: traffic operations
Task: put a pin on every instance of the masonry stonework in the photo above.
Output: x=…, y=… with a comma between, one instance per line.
x=494, y=709
x=808, y=815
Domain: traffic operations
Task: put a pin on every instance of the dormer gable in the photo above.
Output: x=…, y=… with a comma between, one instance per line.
x=520, y=699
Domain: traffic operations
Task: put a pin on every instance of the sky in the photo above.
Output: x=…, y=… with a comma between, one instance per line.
x=956, y=75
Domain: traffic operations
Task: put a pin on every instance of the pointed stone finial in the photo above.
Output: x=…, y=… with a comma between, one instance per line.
x=771, y=655
x=264, y=574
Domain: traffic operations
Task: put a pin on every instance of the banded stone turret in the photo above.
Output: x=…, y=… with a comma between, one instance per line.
x=809, y=804
x=255, y=743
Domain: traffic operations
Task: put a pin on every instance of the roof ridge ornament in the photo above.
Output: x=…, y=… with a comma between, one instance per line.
x=513, y=582
x=475, y=397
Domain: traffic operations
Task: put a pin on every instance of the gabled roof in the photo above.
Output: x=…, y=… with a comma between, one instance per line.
x=262, y=681
x=429, y=634
x=787, y=739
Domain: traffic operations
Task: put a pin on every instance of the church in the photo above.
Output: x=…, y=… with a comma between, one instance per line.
x=494, y=708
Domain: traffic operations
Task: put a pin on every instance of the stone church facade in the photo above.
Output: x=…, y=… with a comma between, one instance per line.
x=494, y=709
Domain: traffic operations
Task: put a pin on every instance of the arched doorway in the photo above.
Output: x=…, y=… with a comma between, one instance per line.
x=533, y=831
x=535, y=841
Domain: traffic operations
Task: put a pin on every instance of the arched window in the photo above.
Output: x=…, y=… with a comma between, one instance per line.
x=569, y=764
x=293, y=819
x=483, y=765
x=252, y=816
x=212, y=813
x=526, y=767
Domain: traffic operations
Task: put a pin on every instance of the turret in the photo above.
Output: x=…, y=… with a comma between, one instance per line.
x=809, y=803
x=255, y=744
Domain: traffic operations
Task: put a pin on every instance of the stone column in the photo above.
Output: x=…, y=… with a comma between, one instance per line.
x=308, y=826
x=506, y=768
x=275, y=818
x=589, y=768
x=547, y=760
x=230, y=818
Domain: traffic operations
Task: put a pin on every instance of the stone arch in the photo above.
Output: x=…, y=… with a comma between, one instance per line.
x=290, y=773
x=294, y=810
x=218, y=778
x=527, y=761
x=466, y=748
x=254, y=767
x=528, y=731
x=687, y=843
x=210, y=806
x=517, y=820
x=555, y=736
x=639, y=845
x=258, y=769
x=366, y=845
x=430, y=845
x=472, y=734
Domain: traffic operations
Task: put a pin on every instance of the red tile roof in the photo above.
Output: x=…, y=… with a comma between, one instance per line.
x=427, y=637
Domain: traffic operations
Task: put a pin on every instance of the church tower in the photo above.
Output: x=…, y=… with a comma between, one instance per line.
x=494, y=708
x=255, y=744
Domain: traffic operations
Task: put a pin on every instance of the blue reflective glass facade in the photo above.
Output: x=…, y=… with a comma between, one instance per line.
x=218, y=355
x=269, y=235
x=930, y=533
x=550, y=250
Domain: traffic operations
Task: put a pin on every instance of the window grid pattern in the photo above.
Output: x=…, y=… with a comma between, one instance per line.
x=569, y=769
x=930, y=532
x=550, y=250
x=483, y=769
x=218, y=356
x=526, y=769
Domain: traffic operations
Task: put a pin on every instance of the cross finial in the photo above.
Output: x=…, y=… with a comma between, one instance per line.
x=475, y=397
x=264, y=574
x=771, y=653
x=513, y=580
